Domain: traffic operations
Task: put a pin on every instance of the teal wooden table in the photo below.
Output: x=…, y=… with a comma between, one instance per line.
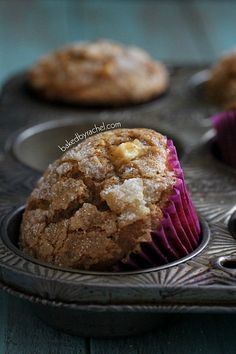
x=174, y=31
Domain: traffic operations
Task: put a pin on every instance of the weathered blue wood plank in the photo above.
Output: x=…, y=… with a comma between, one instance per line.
x=23, y=333
x=3, y=320
x=195, y=24
x=218, y=19
x=29, y=29
x=158, y=26
x=197, y=334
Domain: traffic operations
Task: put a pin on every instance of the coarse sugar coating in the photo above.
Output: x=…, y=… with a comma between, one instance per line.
x=99, y=73
x=100, y=200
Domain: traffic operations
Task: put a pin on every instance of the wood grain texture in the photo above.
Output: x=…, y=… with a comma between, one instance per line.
x=29, y=29
x=3, y=316
x=23, y=333
x=198, y=335
x=157, y=26
x=218, y=21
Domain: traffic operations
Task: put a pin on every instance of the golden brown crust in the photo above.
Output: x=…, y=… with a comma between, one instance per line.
x=221, y=87
x=102, y=198
x=99, y=73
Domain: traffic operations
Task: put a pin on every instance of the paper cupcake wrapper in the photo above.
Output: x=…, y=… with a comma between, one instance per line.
x=178, y=233
x=225, y=127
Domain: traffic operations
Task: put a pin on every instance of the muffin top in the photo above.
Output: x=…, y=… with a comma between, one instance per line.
x=221, y=88
x=100, y=200
x=99, y=73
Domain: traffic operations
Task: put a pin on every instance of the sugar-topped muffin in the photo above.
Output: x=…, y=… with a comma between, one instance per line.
x=101, y=201
x=221, y=87
x=99, y=73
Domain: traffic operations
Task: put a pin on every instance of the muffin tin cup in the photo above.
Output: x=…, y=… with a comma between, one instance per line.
x=96, y=320
x=213, y=159
x=202, y=281
x=86, y=303
x=10, y=230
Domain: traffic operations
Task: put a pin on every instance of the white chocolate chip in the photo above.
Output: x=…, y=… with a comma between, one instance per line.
x=127, y=200
x=128, y=151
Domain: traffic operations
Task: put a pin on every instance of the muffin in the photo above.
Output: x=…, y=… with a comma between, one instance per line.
x=99, y=73
x=117, y=201
x=221, y=87
x=225, y=128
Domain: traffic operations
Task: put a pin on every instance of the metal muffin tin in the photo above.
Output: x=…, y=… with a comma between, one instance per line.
x=102, y=304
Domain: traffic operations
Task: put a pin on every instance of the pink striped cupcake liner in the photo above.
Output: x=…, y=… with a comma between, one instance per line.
x=178, y=233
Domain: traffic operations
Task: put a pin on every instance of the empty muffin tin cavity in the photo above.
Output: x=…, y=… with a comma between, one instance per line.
x=228, y=263
x=39, y=145
x=225, y=263
x=10, y=236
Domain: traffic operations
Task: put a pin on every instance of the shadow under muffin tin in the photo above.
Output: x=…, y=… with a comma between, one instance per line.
x=92, y=303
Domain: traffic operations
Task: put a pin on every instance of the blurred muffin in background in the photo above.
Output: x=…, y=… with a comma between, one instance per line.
x=117, y=201
x=221, y=87
x=99, y=73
